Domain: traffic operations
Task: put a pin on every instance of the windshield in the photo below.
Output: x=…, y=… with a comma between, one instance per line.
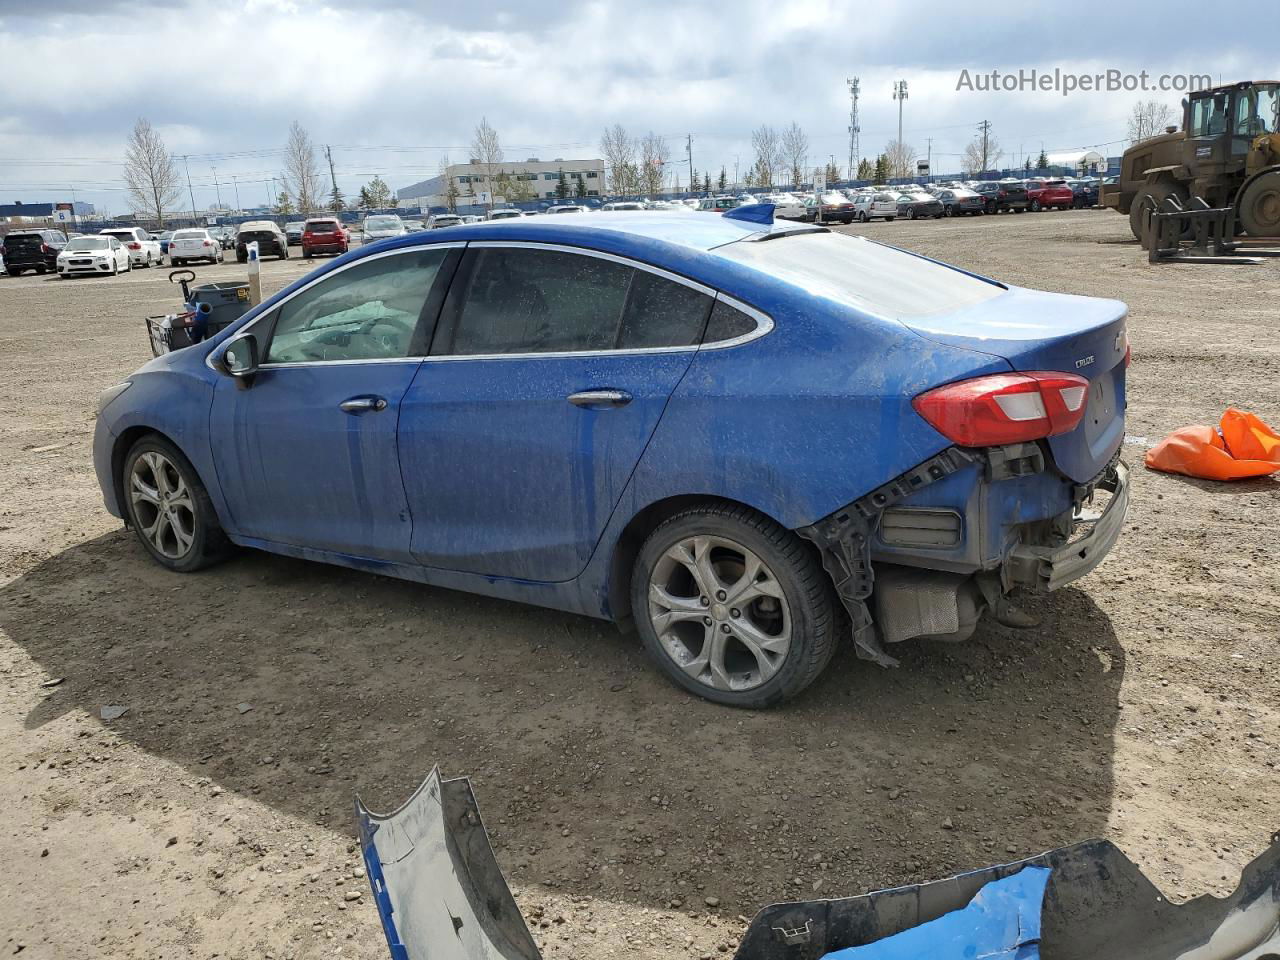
x=118, y=234
x=322, y=226
x=865, y=275
x=382, y=223
x=89, y=243
x=189, y=235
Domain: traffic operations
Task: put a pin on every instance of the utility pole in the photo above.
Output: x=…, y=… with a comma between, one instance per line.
x=237, y=186
x=985, y=127
x=688, y=145
x=332, y=178
x=735, y=174
x=928, y=159
x=854, y=129
x=217, y=187
x=190, y=192
x=900, y=94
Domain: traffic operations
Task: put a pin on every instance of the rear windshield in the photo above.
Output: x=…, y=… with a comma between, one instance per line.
x=88, y=243
x=382, y=223
x=189, y=235
x=118, y=234
x=322, y=226
x=862, y=274
x=24, y=239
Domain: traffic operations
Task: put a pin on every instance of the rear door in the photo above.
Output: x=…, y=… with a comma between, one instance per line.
x=307, y=455
x=549, y=372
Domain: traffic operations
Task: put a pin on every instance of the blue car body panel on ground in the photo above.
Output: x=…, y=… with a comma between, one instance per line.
x=477, y=474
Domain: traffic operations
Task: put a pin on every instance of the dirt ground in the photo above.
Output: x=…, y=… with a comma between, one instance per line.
x=630, y=818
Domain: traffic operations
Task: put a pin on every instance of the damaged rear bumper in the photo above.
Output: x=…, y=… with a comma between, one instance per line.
x=441, y=896
x=1048, y=568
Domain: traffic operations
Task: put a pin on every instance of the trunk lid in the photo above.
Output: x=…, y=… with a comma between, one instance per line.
x=1033, y=330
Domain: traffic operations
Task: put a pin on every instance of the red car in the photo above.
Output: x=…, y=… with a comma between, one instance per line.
x=1044, y=194
x=324, y=235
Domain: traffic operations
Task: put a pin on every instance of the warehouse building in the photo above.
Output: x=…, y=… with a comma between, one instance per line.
x=509, y=182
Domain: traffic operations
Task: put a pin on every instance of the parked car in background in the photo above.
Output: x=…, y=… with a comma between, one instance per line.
x=999, y=196
x=380, y=227
x=566, y=208
x=267, y=234
x=870, y=206
x=414, y=226
x=1049, y=195
x=32, y=250
x=854, y=406
x=143, y=251
x=293, y=231
x=506, y=213
x=623, y=205
x=958, y=200
x=226, y=236
x=162, y=238
x=1084, y=193
x=438, y=220
x=717, y=204
x=918, y=206
x=472, y=218
x=100, y=255
x=787, y=207
x=324, y=235
x=194, y=244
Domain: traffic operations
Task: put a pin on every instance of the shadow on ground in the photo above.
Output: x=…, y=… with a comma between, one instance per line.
x=594, y=774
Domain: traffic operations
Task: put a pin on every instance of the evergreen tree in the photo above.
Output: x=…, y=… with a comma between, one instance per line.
x=881, y=173
x=723, y=181
x=706, y=183
x=580, y=188
x=562, y=187
x=1042, y=162
x=337, y=202
x=284, y=205
x=865, y=170
x=362, y=202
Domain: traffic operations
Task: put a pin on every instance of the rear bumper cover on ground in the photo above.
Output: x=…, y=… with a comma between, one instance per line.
x=441, y=895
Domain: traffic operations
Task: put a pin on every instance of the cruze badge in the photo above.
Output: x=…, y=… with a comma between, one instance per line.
x=1084, y=361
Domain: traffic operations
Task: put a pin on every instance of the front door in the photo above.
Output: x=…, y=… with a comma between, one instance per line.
x=307, y=455
x=549, y=373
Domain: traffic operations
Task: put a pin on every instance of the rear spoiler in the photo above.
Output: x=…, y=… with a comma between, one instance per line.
x=441, y=896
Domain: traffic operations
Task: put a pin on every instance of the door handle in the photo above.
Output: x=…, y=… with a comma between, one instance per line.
x=361, y=404
x=600, y=398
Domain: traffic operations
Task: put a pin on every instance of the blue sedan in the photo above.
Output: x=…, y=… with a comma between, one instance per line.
x=748, y=439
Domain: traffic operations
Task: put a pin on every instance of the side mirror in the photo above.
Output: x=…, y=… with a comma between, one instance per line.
x=240, y=358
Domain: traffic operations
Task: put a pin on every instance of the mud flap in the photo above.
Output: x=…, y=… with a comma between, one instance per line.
x=441, y=896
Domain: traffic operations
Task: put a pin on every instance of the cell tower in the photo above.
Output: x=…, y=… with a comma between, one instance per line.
x=854, y=129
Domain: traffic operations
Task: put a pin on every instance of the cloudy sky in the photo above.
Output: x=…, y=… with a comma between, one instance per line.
x=392, y=86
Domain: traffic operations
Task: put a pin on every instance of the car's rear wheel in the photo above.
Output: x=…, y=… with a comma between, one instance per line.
x=733, y=607
x=169, y=508
x=1035, y=206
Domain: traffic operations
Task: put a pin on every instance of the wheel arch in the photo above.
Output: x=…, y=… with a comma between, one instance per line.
x=120, y=449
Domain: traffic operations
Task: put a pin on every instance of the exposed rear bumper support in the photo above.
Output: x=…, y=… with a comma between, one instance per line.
x=1048, y=568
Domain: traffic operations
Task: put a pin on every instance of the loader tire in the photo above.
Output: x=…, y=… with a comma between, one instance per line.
x=1157, y=193
x=1259, y=207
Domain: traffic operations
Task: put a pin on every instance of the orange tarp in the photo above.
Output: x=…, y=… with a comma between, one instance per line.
x=1246, y=447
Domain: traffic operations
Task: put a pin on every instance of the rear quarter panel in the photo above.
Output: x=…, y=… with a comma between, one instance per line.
x=805, y=419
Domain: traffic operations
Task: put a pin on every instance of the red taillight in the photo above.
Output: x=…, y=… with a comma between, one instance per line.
x=207, y=243
x=44, y=248
x=1005, y=407
x=134, y=246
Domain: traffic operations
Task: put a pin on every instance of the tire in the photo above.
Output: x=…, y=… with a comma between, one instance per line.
x=862, y=216
x=307, y=255
x=190, y=509
x=41, y=270
x=947, y=212
x=1259, y=206
x=13, y=272
x=1035, y=206
x=174, y=262
x=911, y=215
x=798, y=604
x=888, y=219
x=1158, y=192
x=115, y=269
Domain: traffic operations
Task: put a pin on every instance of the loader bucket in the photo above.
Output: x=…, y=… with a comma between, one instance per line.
x=441, y=896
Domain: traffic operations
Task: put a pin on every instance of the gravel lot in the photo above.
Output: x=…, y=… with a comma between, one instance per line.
x=631, y=819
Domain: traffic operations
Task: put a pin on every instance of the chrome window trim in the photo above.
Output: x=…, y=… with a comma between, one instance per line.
x=414, y=248
x=764, y=323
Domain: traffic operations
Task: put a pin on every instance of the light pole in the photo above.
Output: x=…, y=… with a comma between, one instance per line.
x=190, y=192
x=237, y=186
x=900, y=94
x=217, y=187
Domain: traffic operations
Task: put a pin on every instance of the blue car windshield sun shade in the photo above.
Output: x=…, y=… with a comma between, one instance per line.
x=1001, y=922
x=867, y=276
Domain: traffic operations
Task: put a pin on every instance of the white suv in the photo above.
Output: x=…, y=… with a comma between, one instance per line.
x=143, y=251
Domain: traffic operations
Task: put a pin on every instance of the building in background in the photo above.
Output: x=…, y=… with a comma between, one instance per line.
x=18, y=212
x=512, y=182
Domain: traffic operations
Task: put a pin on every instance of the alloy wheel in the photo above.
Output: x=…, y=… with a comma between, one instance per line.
x=162, y=505
x=720, y=613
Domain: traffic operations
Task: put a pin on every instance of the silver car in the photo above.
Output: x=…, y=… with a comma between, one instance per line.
x=380, y=227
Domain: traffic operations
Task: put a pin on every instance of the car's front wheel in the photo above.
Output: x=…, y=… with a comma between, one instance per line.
x=733, y=607
x=169, y=508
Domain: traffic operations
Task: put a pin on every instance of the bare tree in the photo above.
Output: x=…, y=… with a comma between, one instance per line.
x=794, y=148
x=654, y=154
x=764, y=141
x=150, y=174
x=448, y=189
x=619, y=159
x=301, y=171
x=899, y=157
x=981, y=154
x=1149, y=117
x=486, y=150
